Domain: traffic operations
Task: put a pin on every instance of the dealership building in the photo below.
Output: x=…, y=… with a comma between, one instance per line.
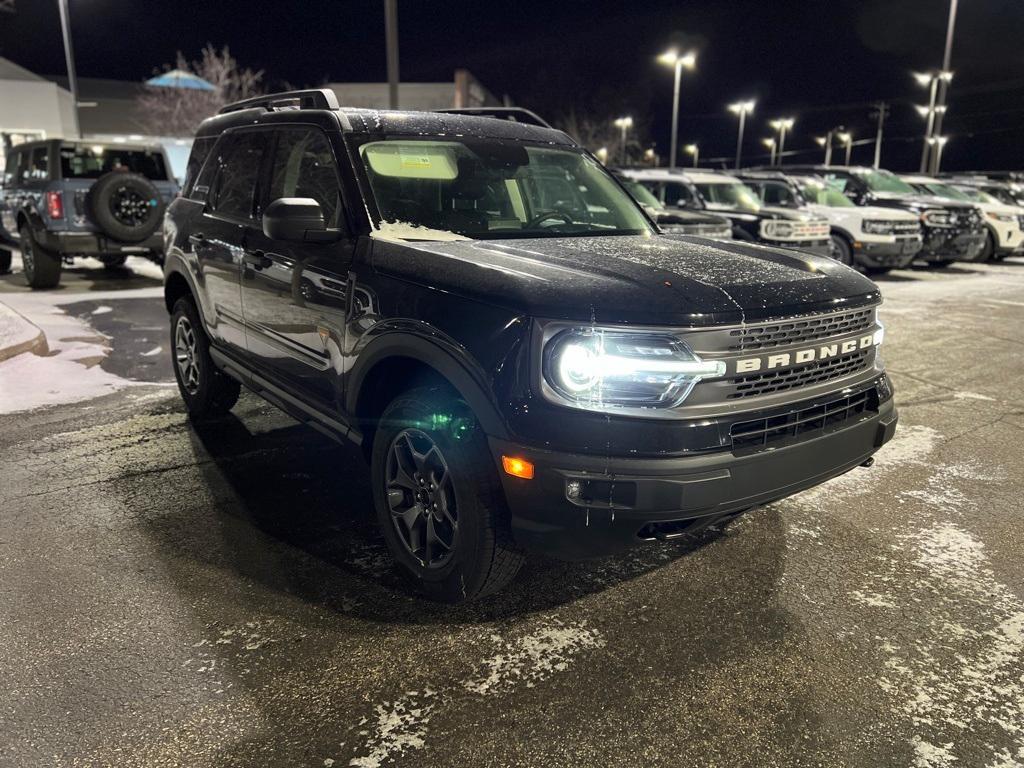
x=35, y=107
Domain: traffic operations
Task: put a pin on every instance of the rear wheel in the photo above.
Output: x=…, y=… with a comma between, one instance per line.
x=438, y=498
x=841, y=250
x=207, y=392
x=42, y=267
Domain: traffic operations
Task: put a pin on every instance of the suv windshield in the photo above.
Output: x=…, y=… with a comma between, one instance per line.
x=90, y=162
x=884, y=181
x=822, y=194
x=728, y=196
x=944, y=190
x=486, y=189
x=642, y=194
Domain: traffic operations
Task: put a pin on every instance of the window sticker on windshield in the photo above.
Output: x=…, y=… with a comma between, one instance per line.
x=414, y=161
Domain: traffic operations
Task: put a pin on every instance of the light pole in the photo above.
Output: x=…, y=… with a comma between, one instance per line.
x=782, y=125
x=770, y=144
x=933, y=113
x=391, y=49
x=938, y=142
x=946, y=75
x=847, y=139
x=741, y=108
x=69, y=54
x=883, y=112
x=673, y=59
x=693, y=149
x=624, y=124
x=823, y=141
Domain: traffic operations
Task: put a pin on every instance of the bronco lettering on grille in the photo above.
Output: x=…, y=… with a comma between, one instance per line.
x=786, y=359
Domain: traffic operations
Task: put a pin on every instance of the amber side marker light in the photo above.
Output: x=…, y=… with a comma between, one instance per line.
x=517, y=467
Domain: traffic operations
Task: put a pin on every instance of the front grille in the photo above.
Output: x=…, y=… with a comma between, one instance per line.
x=754, y=337
x=776, y=431
x=817, y=372
x=906, y=228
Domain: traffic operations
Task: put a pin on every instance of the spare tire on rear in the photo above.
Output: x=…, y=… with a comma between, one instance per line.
x=125, y=206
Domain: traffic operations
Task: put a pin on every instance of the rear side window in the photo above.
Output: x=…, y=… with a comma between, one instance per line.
x=39, y=164
x=79, y=161
x=200, y=151
x=238, y=169
x=12, y=169
x=304, y=167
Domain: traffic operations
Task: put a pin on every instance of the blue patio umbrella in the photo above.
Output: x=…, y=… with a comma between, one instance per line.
x=179, y=78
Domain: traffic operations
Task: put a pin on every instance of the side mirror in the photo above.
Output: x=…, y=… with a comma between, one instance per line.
x=295, y=219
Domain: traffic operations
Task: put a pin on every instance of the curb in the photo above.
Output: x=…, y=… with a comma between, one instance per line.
x=26, y=335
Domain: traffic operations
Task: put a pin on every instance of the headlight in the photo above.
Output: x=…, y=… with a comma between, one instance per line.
x=776, y=229
x=937, y=218
x=599, y=369
x=877, y=227
x=1008, y=218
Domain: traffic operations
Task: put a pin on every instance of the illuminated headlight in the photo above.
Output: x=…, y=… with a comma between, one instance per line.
x=776, y=229
x=1008, y=218
x=937, y=218
x=601, y=369
x=878, y=227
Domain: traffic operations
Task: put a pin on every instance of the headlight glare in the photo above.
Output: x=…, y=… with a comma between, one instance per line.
x=600, y=369
x=877, y=227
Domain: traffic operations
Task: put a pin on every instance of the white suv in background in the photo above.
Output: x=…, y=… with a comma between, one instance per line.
x=874, y=238
x=1004, y=223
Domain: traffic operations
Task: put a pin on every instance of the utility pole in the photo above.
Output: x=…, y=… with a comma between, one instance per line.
x=881, y=112
x=69, y=55
x=391, y=44
x=944, y=85
x=930, y=124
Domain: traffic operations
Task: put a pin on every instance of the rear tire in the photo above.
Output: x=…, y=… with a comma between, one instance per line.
x=208, y=393
x=438, y=498
x=42, y=267
x=5, y=261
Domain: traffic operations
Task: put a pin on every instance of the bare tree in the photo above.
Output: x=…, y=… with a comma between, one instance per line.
x=168, y=111
x=597, y=133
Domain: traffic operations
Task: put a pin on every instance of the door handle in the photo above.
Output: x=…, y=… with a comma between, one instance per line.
x=257, y=260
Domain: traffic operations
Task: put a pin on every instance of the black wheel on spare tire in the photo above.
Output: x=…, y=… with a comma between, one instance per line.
x=5, y=261
x=42, y=267
x=207, y=392
x=841, y=250
x=125, y=206
x=438, y=498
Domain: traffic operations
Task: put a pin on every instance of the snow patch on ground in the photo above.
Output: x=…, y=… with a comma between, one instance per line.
x=396, y=728
x=973, y=396
x=101, y=310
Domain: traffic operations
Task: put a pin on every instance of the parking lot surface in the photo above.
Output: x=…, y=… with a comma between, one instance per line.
x=170, y=596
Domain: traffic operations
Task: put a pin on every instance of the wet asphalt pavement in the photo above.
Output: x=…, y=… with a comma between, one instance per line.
x=221, y=597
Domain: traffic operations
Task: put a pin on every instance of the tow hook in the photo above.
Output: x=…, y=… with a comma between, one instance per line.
x=868, y=461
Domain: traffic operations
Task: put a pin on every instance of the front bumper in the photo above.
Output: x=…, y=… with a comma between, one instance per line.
x=813, y=247
x=97, y=244
x=952, y=244
x=641, y=496
x=896, y=254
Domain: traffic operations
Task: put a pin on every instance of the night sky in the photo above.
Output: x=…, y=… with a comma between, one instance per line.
x=823, y=62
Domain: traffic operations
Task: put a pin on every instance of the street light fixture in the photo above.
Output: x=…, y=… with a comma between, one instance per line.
x=678, y=62
x=770, y=144
x=602, y=155
x=693, y=149
x=69, y=55
x=931, y=81
x=742, y=109
x=782, y=125
x=847, y=139
x=623, y=124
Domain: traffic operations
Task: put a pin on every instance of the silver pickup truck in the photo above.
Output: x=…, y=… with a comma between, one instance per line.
x=64, y=199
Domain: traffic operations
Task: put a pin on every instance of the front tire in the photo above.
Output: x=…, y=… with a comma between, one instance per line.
x=42, y=267
x=208, y=393
x=842, y=251
x=988, y=252
x=439, y=502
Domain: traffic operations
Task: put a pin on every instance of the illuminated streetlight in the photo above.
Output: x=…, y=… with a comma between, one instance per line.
x=602, y=155
x=770, y=143
x=624, y=124
x=651, y=156
x=742, y=109
x=931, y=81
x=938, y=142
x=782, y=125
x=687, y=61
x=693, y=149
x=847, y=139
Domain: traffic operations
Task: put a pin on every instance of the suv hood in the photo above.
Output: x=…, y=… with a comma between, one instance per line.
x=657, y=280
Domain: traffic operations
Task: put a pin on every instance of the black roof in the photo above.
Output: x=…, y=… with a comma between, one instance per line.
x=319, y=107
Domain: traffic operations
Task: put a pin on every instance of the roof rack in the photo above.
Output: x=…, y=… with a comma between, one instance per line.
x=514, y=114
x=317, y=98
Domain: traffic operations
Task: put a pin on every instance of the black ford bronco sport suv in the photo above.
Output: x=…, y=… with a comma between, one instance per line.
x=520, y=374
x=63, y=199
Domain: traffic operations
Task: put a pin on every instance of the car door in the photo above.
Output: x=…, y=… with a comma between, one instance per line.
x=219, y=235
x=295, y=294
